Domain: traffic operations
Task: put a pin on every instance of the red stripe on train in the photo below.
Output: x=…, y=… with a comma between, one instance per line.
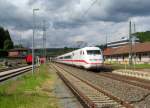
x=80, y=61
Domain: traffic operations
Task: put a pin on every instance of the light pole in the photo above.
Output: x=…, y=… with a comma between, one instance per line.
x=130, y=43
x=33, y=39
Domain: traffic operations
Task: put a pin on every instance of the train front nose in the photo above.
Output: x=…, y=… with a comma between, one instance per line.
x=96, y=63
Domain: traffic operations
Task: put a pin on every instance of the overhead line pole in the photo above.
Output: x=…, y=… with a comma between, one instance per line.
x=106, y=39
x=130, y=43
x=134, y=28
x=33, y=40
x=44, y=39
x=134, y=43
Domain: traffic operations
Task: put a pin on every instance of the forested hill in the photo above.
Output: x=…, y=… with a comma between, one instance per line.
x=5, y=39
x=143, y=36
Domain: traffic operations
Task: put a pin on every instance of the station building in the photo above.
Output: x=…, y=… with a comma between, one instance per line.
x=120, y=43
x=18, y=52
x=140, y=53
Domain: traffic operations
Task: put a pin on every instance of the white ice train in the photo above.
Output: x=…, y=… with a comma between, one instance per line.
x=88, y=58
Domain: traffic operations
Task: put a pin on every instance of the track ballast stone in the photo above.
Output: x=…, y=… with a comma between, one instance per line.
x=133, y=94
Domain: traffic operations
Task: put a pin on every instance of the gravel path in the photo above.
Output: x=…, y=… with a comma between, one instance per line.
x=139, y=97
x=66, y=98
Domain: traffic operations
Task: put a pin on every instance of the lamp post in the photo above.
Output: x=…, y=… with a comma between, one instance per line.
x=33, y=39
x=130, y=44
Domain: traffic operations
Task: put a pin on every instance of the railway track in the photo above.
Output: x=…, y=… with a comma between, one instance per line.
x=126, y=79
x=90, y=95
x=5, y=75
x=10, y=68
x=130, y=80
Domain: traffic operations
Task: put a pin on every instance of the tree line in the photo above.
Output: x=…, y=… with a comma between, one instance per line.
x=5, y=40
x=143, y=36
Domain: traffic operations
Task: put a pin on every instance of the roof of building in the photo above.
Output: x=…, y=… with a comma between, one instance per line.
x=121, y=41
x=138, y=47
x=19, y=49
x=108, y=51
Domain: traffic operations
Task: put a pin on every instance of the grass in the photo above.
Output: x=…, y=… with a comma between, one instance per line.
x=29, y=91
x=143, y=66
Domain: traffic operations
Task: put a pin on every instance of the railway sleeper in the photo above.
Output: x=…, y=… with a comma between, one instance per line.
x=101, y=101
x=95, y=96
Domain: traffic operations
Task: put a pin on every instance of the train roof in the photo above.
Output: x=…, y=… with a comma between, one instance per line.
x=94, y=48
x=85, y=48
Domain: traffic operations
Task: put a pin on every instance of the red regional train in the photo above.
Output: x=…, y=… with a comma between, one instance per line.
x=29, y=59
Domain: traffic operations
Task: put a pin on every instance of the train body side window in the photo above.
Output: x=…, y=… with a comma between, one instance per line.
x=93, y=52
x=61, y=58
x=67, y=57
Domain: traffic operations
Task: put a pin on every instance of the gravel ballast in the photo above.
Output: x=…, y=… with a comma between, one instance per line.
x=137, y=96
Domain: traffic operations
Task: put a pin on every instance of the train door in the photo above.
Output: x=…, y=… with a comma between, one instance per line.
x=84, y=56
x=73, y=58
x=76, y=58
x=81, y=60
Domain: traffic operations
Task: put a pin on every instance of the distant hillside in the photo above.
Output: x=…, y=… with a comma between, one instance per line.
x=53, y=52
x=143, y=36
x=58, y=51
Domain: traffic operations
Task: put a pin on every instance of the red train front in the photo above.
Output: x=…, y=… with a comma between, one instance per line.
x=29, y=59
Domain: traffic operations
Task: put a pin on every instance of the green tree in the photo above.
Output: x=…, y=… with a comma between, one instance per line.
x=143, y=36
x=18, y=46
x=8, y=44
x=102, y=47
x=2, y=37
x=7, y=35
x=5, y=39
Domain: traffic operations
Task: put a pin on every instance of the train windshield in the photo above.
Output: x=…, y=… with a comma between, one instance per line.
x=93, y=52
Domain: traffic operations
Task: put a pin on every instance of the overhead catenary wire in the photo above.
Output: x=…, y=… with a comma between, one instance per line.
x=89, y=8
x=84, y=13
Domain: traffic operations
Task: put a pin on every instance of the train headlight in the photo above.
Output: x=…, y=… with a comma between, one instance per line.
x=93, y=59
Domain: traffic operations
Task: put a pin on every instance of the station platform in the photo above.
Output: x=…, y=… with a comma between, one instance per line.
x=143, y=74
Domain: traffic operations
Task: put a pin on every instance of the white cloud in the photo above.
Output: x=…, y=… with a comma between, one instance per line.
x=71, y=20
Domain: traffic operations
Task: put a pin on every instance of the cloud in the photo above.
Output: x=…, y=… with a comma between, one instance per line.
x=116, y=10
x=74, y=20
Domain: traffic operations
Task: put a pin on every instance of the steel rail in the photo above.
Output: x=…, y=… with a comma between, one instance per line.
x=129, y=80
x=145, y=84
x=118, y=100
x=10, y=68
x=13, y=73
x=86, y=102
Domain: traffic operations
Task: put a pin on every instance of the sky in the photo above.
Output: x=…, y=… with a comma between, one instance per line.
x=71, y=21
